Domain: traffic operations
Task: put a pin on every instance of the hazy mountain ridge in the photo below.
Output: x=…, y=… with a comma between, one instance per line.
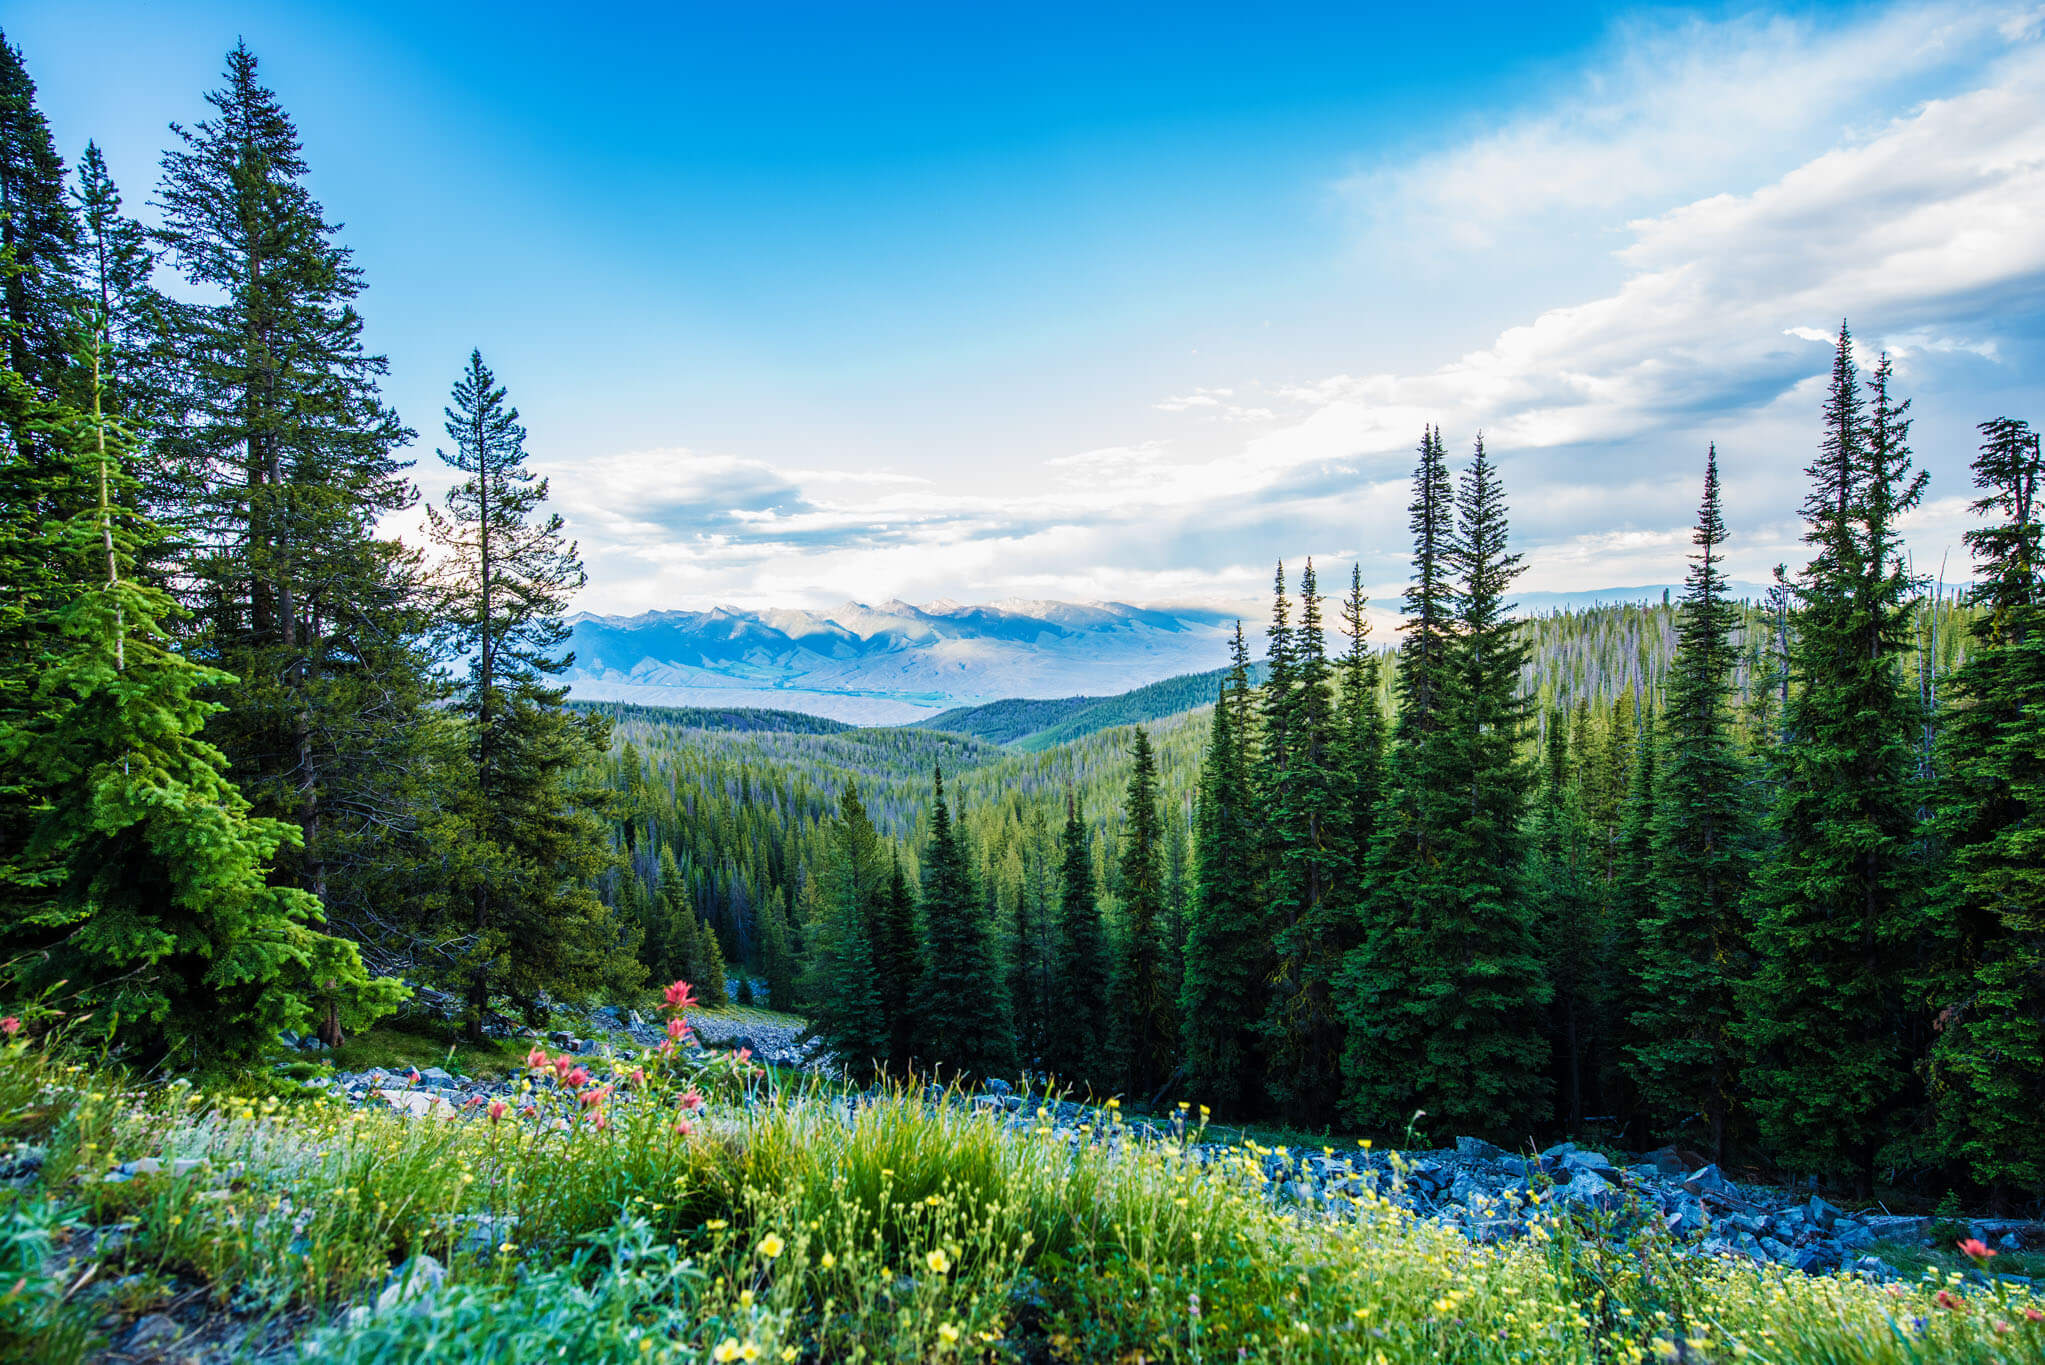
x=892, y=663
x=899, y=663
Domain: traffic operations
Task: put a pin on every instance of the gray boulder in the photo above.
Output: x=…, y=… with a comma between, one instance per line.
x=1477, y=1149
x=1708, y=1179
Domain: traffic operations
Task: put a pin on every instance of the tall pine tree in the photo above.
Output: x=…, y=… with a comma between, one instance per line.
x=1075, y=1035
x=1411, y=886
x=281, y=461
x=1988, y=1061
x=531, y=838
x=962, y=1014
x=1222, y=991
x=1145, y=1038
x=1832, y=1014
x=1312, y=867
x=1694, y=937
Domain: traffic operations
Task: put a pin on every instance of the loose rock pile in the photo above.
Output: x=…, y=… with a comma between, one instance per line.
x=1489, y=1194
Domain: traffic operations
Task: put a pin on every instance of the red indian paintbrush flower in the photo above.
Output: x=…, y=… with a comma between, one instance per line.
x=496, y=1110
x=692, y=1100
x=1976, y=1249
x=678, y=997
x=536, y=1060
x=10, y=1026
x=577, y=1078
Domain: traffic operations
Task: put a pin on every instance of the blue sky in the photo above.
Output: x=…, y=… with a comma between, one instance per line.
x=807, y=303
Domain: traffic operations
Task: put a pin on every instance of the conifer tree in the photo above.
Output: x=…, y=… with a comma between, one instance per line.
x=1410, y=883
x=845, y=983
x=114, y=265
x=1360, y=761
x=1074, y=1036
x=38, y=244
x=1222, y=992
x=1145, y=1039
x=39, y=483
x=1832, y=1010
x=1988, y=1061
x=284, y=462
x=1694, y=937
x=962, y=1012
x=1631, y=902
x=1560, y=886
x=1311, y=865
x=532, y=837
x=145, y=874
x=1484, y=1062
x=898, y=963
x=777, y=954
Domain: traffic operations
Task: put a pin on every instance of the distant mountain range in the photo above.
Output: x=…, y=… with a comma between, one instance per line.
x=893, y=664
x=902, y=664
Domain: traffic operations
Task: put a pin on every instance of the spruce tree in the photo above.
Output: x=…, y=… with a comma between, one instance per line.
x=1074, y=1037
x=777, y=954
x=146, y=895
x=1561, y=888
x=1833, y=1009
x=1988, y=1061
x=1312, y=866
x=40, y=486
x=1631, y=900
x=1360, y=756
x=1145, y=1015
x=532, y=837
x=1484, y=1060
x=898, y=964
x=38, y=245
x=1411, y=885
x=1223, y=991
x=114, y=264
x=962, y=1015
x=282, y=461
x=1693, y=940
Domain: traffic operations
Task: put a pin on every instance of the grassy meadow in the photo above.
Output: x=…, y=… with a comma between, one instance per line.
x=686, y=1214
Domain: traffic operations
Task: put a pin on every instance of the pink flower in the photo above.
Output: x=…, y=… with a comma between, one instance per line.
x=677, y=1029
x=595, y=1096
x=536, y=1060
x=1945, y=1298
x=600, y=1121
x=677, y=997
x=496, y=1110
x=692, y=1099
x=1976, y=1249
x=2034, y=1315
x=472, y=1101
x=10, y=1026
x=667, y=1048
x=529, y=1111
x=684, y=1128
x=577, y=1078
x=745, y=1054
x=413, y=1076
x=639, y=1075
x=562, y=1063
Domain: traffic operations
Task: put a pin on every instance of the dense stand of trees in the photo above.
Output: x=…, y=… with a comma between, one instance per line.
x=1757, y=877
x=241, y=775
